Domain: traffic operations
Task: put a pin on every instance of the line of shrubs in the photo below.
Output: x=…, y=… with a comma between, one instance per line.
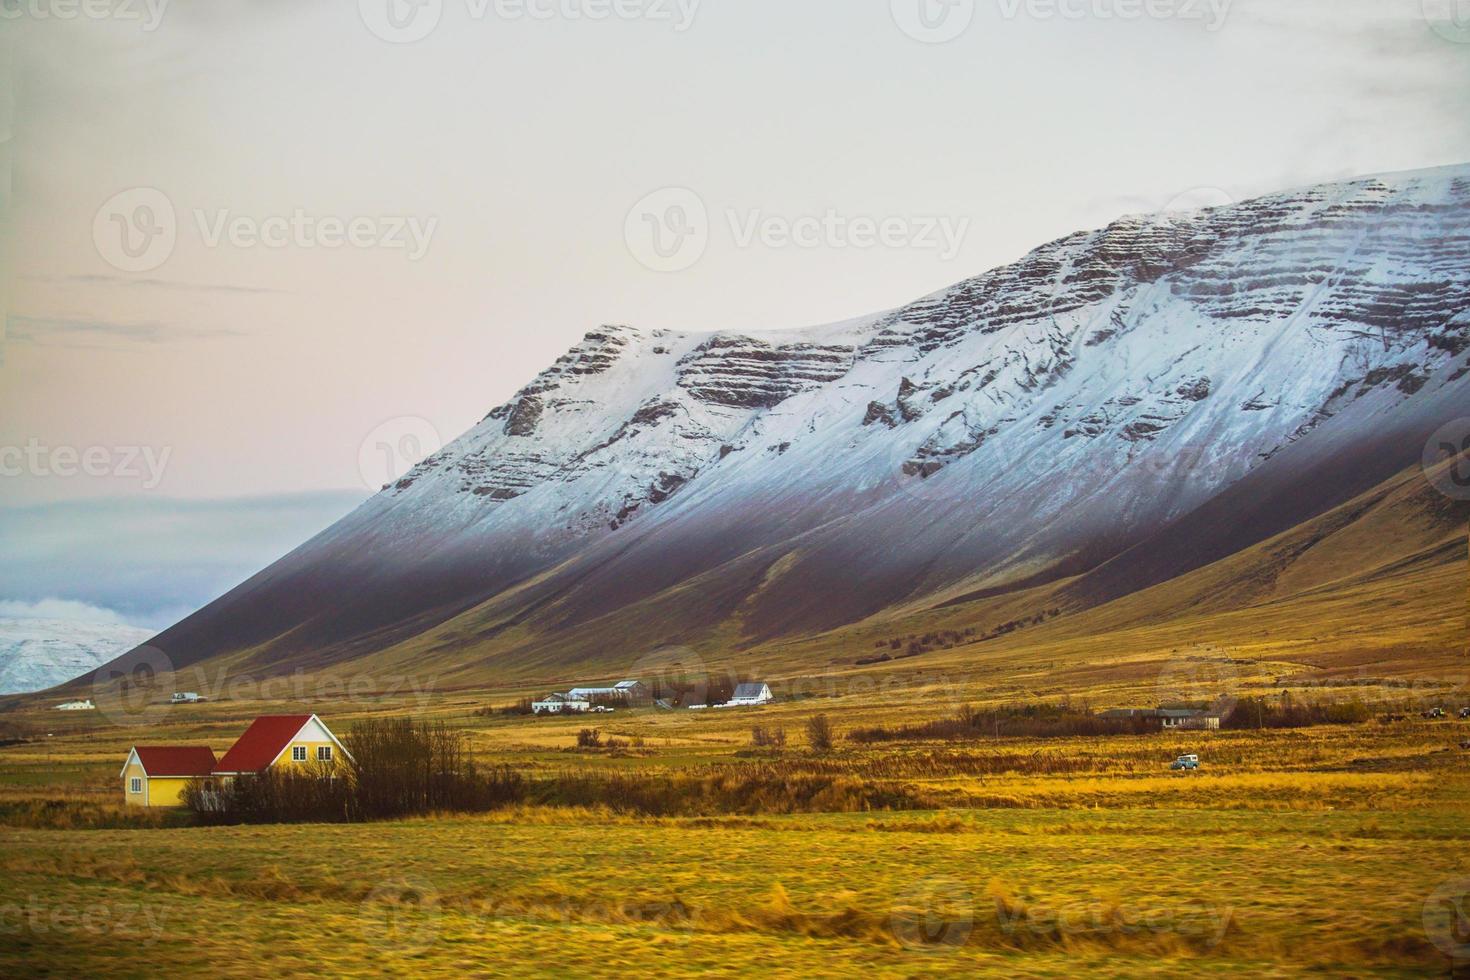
x=402, y=768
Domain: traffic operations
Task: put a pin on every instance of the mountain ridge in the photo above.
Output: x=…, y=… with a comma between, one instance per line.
x=1227, y=373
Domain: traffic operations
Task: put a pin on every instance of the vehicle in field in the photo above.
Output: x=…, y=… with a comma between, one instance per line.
x=1434, y=713
x=1187, y=763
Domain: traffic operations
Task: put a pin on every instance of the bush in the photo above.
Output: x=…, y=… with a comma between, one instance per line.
x=819, y=733
x=589, y=738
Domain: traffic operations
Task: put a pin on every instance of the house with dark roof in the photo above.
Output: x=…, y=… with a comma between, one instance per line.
x=750, y=694
x=1185, y=719
x=155, y=775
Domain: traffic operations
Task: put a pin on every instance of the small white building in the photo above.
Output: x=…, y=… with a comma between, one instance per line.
x=749, y=695
x=1189, y=719
x=185, y=697
x=559, y=704
x=86, y=705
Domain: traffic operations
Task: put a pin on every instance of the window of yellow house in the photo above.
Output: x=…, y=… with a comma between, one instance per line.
x=298, y=753
x=323, y=753
x=135, y=785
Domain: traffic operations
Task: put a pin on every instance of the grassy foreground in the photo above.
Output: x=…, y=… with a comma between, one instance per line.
x=1025, y=892
x=1308, y=851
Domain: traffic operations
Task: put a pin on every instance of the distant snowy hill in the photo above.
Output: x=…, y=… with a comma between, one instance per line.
x=1111, y=411
x=39, y=653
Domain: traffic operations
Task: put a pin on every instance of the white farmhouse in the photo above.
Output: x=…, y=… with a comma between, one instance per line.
x=750, y=694
x=76, y=706
x=558, y=704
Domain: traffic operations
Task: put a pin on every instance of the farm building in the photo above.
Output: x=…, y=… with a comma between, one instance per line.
x=621, y=691
x=750, y=694
x=76, y=706
x=559, y=704
x=1183, y=719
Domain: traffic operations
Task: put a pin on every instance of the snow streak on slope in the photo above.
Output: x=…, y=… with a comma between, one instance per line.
x=1037, y=421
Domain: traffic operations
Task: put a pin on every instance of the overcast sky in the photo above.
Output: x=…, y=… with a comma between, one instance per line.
x=490, y=174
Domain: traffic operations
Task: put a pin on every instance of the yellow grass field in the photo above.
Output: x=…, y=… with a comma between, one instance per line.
x=1308, y=851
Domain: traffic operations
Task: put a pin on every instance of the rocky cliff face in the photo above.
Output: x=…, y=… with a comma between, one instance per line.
x=1037, y=420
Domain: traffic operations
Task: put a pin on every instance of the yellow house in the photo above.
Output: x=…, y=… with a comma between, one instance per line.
x=282, y=740
x=156, y=775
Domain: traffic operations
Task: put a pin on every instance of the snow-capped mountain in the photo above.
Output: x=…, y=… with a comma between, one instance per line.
x=1116, y=408
x=39, y=653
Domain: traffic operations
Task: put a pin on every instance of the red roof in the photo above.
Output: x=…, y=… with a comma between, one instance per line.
x=265, y=739
x=175, y=760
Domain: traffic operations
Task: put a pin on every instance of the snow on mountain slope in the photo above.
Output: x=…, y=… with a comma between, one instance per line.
x=39, y=653
x=1032, y=423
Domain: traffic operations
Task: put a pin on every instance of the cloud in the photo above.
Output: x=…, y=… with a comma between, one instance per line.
x=68, y=610
x=95, y=333
x=161, y=284
x=154, y=560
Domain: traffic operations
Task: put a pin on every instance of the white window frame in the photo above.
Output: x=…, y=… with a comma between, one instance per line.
x=135, y=784
x=323, y=753
x=298, y=753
